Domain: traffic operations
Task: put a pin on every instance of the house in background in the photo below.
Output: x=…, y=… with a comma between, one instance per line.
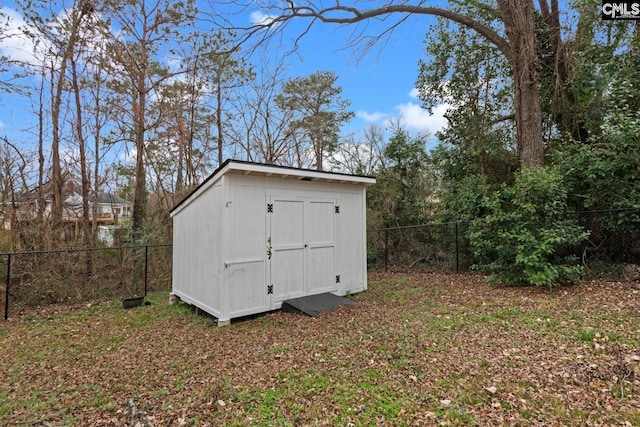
x=106, y=209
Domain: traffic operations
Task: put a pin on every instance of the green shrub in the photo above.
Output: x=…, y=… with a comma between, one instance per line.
x=525, y=236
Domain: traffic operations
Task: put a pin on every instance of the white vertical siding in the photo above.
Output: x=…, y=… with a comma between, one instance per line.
x=222, y=244
x=352, y=247
x=246, y=249
x=197, y=277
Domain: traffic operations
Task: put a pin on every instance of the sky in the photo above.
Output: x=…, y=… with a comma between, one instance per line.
x=380, y=83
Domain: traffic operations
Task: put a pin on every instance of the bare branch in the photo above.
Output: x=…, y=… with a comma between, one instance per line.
x=278, y=16
x=504, y=118
x=339, y=14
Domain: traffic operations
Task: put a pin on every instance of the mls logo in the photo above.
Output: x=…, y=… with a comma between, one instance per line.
x=621, y=9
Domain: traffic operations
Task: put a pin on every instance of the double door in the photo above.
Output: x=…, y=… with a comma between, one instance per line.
x=301, y=247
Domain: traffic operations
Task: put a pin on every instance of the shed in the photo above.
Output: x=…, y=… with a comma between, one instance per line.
x=253, y=235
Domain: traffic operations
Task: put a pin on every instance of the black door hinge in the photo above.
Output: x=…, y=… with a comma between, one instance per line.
x=269, y=289
x=269, y=207
x=337, y=209
x=338, y=278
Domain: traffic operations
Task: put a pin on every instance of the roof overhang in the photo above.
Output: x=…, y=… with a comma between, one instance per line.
x=238, y=167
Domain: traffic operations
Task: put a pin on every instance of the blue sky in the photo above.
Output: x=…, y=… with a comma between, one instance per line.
x=380, y=84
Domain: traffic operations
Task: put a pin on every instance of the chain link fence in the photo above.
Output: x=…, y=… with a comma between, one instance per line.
x=75, y=275
x=431, y=247
x=613, y=243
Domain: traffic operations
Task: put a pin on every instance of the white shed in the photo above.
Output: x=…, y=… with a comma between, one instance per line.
x=252, y=236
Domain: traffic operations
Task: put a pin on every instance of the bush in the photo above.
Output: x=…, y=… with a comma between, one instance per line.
x=526, y=236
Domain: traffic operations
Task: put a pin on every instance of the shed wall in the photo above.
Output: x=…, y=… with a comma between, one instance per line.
x=248, y=196
x=245, y=252
x=221, y=239
x=197, y=254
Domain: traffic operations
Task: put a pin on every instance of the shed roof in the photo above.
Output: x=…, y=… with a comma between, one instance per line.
x=283, y=172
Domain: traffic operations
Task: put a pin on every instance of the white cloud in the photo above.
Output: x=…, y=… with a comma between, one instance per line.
x=2, y=125
x=261, y=18
x=414, y=117
x=411, y=115
x=371, y=117
x=15, y=44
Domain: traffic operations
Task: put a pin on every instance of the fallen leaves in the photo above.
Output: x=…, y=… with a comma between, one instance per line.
x=420, y=349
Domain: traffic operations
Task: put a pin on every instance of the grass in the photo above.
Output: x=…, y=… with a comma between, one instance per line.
x=422, y=349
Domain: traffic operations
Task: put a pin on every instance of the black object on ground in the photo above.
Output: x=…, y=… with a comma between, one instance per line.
x=311, y=305
x=132, y=302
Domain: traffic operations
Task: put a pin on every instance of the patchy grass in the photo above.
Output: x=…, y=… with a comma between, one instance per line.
x=421, y=349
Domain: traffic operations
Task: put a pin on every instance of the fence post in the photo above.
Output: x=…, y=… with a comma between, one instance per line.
x=386, y=248
x=6, y=288
x=146, y=269
x=457, y=252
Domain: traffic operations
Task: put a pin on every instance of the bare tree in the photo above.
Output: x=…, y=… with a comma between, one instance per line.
x=360, y=156
x=144, y=27
x=261, y=129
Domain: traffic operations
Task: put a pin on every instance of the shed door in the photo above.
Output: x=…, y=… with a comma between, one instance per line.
x=287, y=247
x=320, y=237
x=302, y=242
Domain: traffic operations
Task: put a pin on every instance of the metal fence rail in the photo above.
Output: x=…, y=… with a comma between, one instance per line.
x=80, y=274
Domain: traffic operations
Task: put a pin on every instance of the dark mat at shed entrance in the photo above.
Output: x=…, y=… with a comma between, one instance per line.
x=313, y=304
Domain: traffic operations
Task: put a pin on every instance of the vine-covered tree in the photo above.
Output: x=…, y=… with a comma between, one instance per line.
x=469, y=75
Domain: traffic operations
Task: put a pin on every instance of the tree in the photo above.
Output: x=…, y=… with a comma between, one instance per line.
x=228, y=71
x=144, y=28
x=261, y=129
x=470, y=76
x=318, y=110
x=62, y=34
x=403, y=188
x=603, y=174
x=7, y=81
x=360, y=156
x=515, y=39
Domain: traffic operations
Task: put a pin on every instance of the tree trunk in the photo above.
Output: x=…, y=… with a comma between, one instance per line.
x=219, y=119
x=139, y=196
x=317, y=146
x=56, y=170
x=84, y=176
x=518, y=18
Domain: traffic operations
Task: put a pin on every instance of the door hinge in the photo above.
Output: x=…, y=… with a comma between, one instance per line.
x=337, y=209
x=269, y=289
x=269, y=207
x=338, y=278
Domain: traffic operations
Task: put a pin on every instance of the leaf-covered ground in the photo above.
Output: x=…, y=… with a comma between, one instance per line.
x=421, y=349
